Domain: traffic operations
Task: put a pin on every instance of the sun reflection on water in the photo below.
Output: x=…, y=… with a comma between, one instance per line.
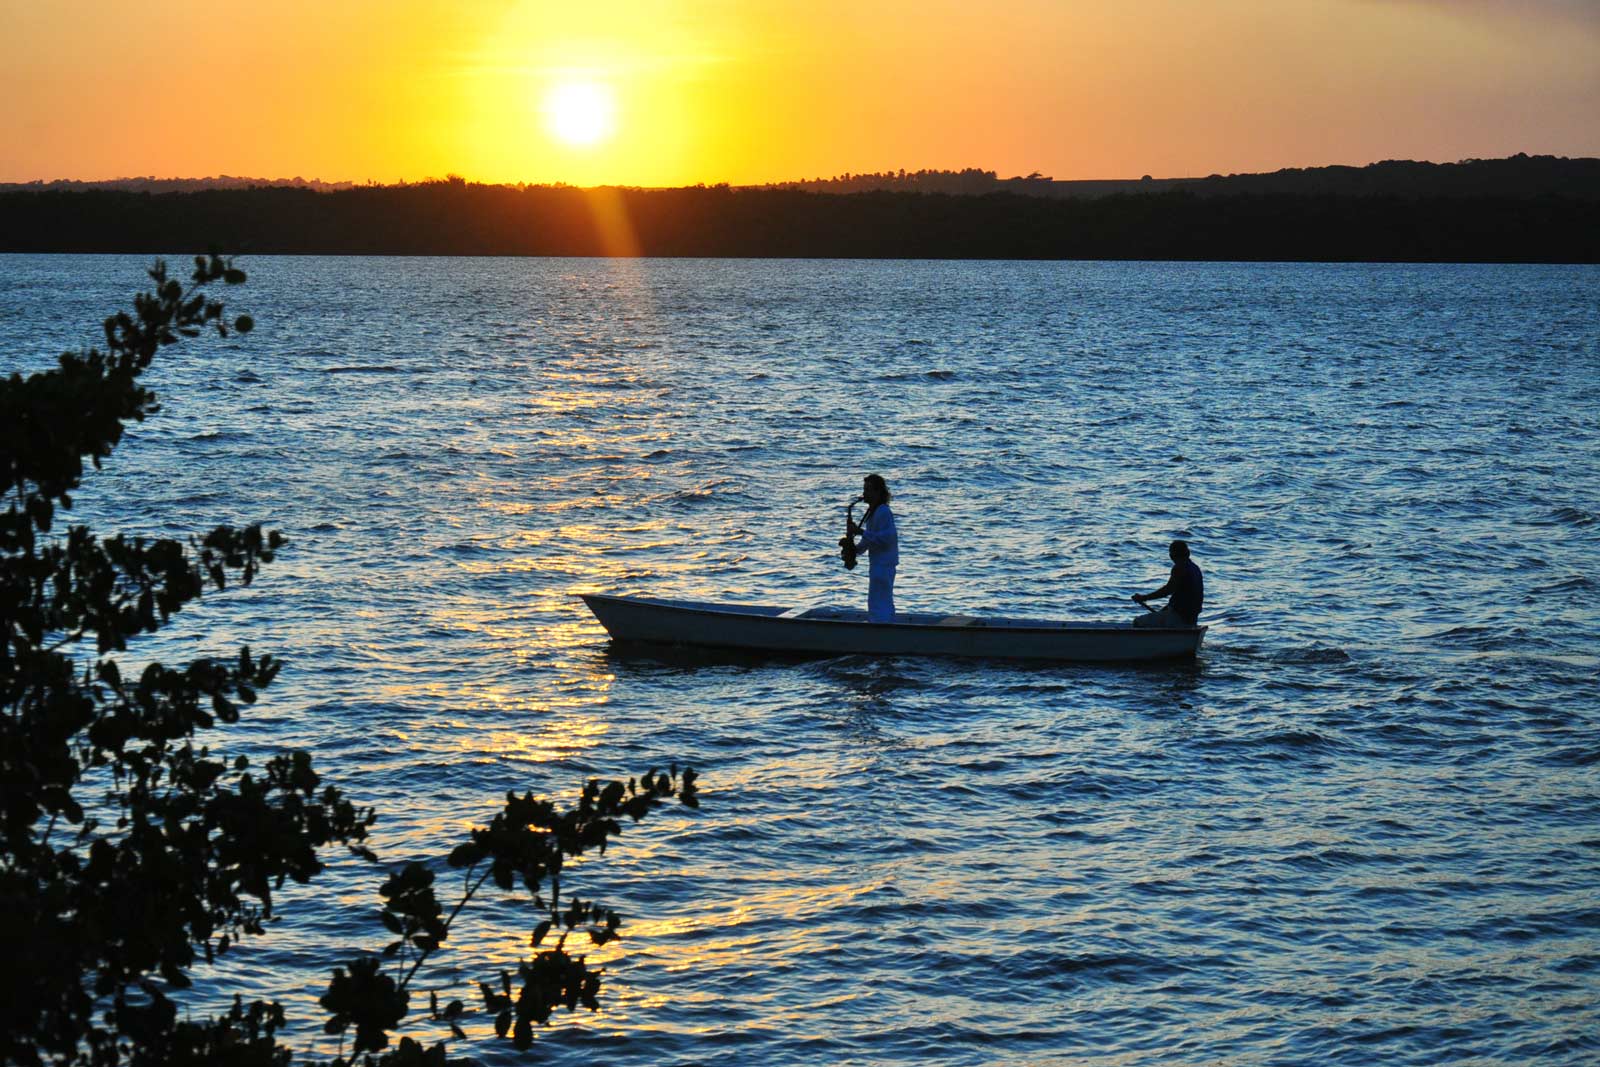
x=559, y=738
x=886, y=848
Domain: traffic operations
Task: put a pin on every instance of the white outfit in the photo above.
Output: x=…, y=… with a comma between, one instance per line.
x=1166, y=617
x=881, y=541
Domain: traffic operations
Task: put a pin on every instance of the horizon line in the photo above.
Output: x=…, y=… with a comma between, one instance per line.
x=1036, y=176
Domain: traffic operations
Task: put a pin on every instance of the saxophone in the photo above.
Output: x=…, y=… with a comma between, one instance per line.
x=847, y=546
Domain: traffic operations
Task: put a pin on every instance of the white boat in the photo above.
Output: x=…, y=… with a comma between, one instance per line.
x=831, y=631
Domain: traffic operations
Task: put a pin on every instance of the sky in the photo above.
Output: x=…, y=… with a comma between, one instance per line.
x=657, y=93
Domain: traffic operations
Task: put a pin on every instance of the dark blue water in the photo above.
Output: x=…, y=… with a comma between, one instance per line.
x=1363, y=828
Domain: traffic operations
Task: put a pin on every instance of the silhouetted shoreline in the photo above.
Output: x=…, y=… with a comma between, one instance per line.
x=1518, y=176
x=1244, y=218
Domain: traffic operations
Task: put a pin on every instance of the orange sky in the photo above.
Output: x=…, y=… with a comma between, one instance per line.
x=748, y=91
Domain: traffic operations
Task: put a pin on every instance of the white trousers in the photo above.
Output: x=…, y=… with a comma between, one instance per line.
x=1166, y=617
x=880, y=597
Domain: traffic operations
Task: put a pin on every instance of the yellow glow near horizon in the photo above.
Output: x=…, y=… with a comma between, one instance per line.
x=751, y=91
x=581, y=113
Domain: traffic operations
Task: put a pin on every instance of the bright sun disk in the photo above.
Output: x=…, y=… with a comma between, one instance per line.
x=580, y=113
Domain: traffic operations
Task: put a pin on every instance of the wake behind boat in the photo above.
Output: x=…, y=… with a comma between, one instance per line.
x=833, y=631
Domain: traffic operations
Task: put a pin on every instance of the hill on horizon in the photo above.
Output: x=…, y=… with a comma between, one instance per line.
x=1515, y=176
x=152, y=184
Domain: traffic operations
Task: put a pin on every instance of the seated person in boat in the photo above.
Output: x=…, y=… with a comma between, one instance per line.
x=1186, y=586
x=881, y=542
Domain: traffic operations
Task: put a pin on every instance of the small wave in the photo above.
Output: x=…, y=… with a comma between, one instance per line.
x=1329, y=859
x=1296, y=739
x=1573, y=757
x=1310, y=656
x=660, y=453
x=373, y=368
x=846, y=669
x=1081, y=837
x=1485, y=638
x=1271, y=745
x=1578, y=965
x=1391, y=895
x=911, y=376
x=1564, y=516
x=247, y=377
x=699, y=493
x=1577, y=584
x=1405, y=732
x=469, y=548
x=218, y=435
x=1054, y=970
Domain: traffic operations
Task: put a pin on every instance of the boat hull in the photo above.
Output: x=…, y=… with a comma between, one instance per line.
x=828, y=631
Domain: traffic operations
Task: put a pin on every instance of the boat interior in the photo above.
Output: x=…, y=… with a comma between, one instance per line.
x=833, y=613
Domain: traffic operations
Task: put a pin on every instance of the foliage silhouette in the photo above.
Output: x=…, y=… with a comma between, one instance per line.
x=130, y=850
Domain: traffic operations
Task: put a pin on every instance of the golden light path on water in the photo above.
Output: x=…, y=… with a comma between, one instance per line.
x=568, y=557
x=1360, y=828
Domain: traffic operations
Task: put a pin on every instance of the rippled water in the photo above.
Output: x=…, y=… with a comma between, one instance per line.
x=1363, y=828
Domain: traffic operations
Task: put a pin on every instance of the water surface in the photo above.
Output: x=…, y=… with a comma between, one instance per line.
x=1360, y=829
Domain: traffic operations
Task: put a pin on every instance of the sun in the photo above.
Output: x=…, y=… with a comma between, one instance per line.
x=580, y=113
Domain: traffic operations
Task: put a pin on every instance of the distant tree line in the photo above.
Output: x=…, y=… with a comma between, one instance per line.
x=1516, y=176
x=455, y=217
x=152, y=184
x=1520, y=175
x=969, y=182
